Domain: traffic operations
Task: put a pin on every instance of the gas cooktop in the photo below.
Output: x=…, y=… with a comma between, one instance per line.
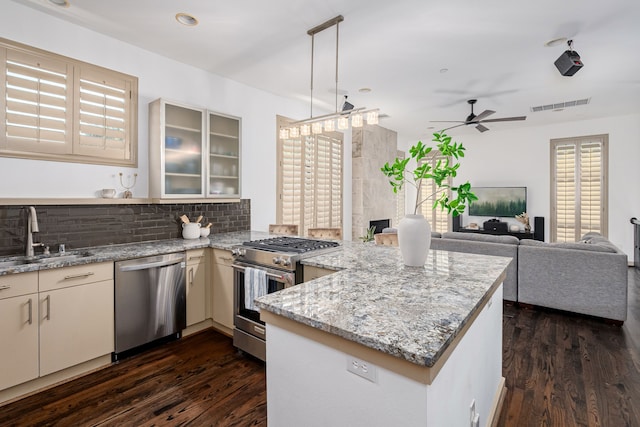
x=290, y=244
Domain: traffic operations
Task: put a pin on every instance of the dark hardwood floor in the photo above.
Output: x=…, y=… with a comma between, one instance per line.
x=561, y=370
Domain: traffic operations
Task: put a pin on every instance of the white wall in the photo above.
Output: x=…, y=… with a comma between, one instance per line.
x=158, y=77
x=522, y=158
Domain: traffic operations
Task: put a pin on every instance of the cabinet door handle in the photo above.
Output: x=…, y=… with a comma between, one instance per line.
x=226, y=259
x=191, y=276
x=5, y=287
x=30, y=303
x=48, y=300
x=78, y=276
x=196, y=257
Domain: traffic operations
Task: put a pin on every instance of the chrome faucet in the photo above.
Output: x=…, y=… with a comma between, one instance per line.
x=32, y=227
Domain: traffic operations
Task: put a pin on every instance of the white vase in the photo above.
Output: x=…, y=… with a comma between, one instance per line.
x=414, y=239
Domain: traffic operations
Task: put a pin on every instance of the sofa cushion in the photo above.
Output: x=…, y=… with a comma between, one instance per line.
x=436, y=235
x=581, y=246
x=477, y=237
x=590, y=235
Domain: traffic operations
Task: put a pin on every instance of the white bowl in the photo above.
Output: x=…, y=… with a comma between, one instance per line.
x=108, y=193
x=204, y=232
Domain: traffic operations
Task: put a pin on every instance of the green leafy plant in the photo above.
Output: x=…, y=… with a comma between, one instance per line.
x=423, y=155
x=369, y=236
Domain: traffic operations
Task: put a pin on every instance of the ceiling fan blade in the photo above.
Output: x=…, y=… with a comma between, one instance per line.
x=484, y=114
x=505, y=119
x=446, y=121
x=482, y=128
x=456, y=126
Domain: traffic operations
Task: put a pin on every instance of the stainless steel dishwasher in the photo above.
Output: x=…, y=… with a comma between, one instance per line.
x=150, y=300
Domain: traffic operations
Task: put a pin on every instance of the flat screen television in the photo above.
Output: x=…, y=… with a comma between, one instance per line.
x=499, y=201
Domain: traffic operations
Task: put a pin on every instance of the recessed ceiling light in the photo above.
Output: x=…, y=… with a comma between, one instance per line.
x=186, y=19
x=556, y=42
x=364, y=90
x=61, y=3
x=443, y=70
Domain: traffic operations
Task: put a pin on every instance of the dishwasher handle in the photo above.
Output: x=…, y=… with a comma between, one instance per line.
x=156, y=264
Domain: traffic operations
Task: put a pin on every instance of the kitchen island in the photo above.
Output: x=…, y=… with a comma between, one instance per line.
x=425, y=343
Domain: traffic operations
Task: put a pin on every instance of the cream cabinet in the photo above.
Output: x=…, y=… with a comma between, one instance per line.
x=54, y=319
x=193, y=152
x=196, y=286
x=18, y=328
x=223, y=288
x=76, y=315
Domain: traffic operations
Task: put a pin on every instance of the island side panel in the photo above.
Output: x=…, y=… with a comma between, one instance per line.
x=308, y=382
x=473, y=372
x=308, y=385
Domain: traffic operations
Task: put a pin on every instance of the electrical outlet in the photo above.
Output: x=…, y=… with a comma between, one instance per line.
x=472, y=412
x=361, y=368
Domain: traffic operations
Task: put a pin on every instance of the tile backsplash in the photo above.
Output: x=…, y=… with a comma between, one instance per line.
x=81, y=226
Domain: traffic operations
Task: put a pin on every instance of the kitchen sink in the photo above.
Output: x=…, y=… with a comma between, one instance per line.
x=13, y=263
x=61, y=258
x=42, y=259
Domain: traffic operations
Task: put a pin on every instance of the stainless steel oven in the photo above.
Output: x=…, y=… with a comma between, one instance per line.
x=249, y=332
x=278, y=257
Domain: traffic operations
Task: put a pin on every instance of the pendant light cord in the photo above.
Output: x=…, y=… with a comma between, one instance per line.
x=337, y=40
x=311, y=84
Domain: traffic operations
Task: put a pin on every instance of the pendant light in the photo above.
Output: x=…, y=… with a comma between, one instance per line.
x=340, y=119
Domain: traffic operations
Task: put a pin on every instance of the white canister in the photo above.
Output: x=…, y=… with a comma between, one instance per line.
x=191, y=230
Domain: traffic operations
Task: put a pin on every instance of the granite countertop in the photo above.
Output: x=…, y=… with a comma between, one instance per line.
x=373, y=299
x=128, y=251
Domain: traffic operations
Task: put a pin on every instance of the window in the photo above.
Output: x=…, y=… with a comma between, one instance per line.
x=578, y=187
x=438, y=218
x=310, y=180
x=57, y=108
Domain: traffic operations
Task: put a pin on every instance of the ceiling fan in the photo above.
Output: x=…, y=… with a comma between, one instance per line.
x=472, y=119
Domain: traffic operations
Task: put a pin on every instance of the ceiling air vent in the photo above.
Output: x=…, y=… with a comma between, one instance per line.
x=558, y=105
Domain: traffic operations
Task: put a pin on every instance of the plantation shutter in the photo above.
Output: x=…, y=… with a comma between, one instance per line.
x=58, y=108
x=103, y=108
x=437, y=217
x=37, y=111
x=578, y=187
x=310, y=181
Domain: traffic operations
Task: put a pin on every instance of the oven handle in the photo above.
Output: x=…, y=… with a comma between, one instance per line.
x=287, y=278
x=280, y=276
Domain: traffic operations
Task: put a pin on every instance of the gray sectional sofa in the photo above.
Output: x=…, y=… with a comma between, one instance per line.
x=587, y=277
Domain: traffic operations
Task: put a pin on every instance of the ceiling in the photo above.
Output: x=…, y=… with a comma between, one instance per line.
x=492, y=50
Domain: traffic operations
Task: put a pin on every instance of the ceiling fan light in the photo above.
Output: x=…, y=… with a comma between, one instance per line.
x=372, y=118
x=294, y=132
x=343, y=123
x=305, y=130
x=356, y=121
x=329, y=125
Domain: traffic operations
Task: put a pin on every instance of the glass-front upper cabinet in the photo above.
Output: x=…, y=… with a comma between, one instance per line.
x=224, y=156
x=182, y=151
x=193, y=153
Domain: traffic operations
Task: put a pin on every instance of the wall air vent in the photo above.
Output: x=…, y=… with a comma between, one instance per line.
x=558, y=105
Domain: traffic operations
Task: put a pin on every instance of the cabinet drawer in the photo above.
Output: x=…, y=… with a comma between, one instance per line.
x=13, y=285
x=59, y=278
x=196, y=256
x=221, y=256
